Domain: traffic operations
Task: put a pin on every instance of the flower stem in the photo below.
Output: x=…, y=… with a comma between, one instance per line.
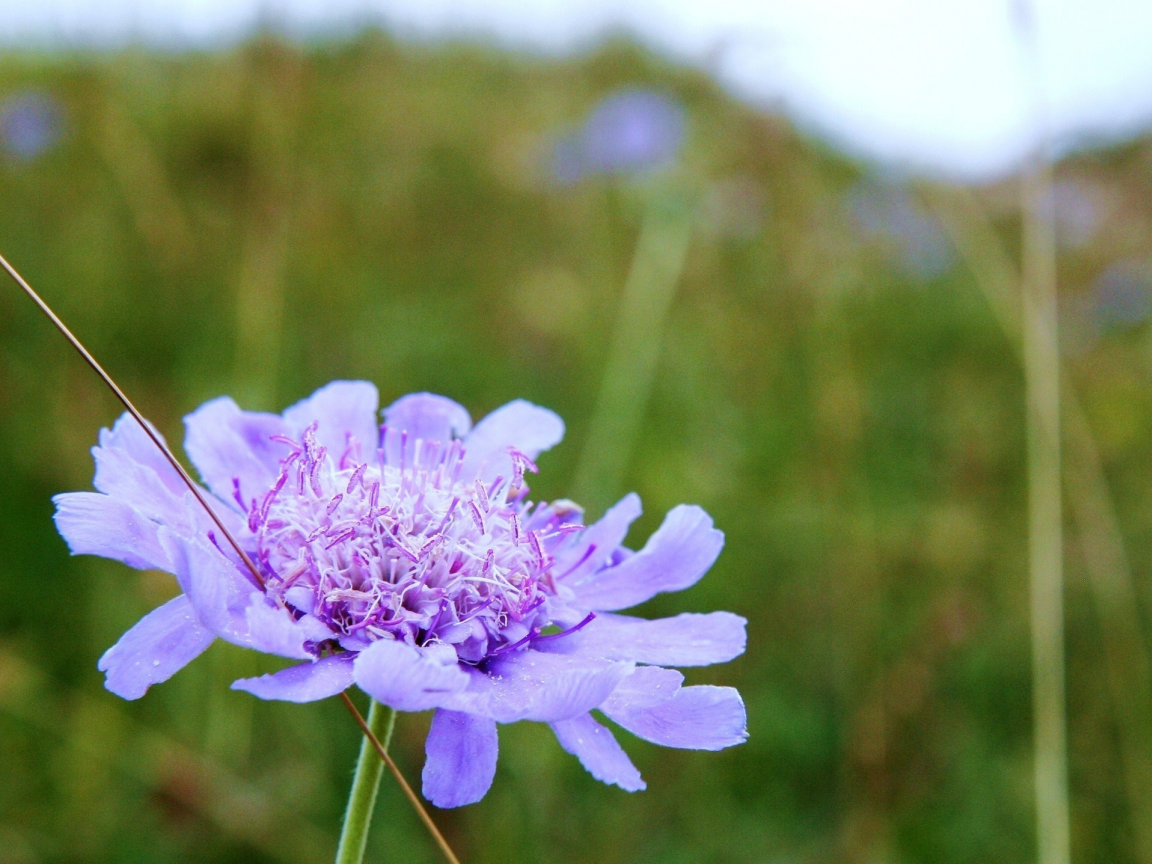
x=634, y=354
x=365, y=784
x=381, y=749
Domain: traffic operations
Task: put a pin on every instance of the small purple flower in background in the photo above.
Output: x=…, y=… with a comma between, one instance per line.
x=1081, y=209
x=406, y=559
x=629, y=132
x=30, y=124
x=887, y=214
x=1122, y=296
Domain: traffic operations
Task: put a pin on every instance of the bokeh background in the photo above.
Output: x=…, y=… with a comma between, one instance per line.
x=726, y=310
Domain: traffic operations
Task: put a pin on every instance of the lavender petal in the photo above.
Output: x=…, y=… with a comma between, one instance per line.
x=128, y=437
x=341, y=408
x=96, y=524
x=519, y=424
x=532, y=685
x=404, y=678
x=646, y=687
x=695, y=718
x=224, y=442
x=428, y=417
x=306, y=682
x=674, y=558
x=157, y=647
x=273, y=630
x=215, y=587
x=684, y=640
x=460, y=758
x=121, y=473
x=599, y=752
x=606, y=535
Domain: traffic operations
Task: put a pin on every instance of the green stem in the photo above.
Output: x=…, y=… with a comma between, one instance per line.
x=630, y=370
x=365, y=784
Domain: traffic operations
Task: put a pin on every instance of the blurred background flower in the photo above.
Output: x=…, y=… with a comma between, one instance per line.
x=30, y=124
x=1122, y=295
x=629, y=132
x=886, y=215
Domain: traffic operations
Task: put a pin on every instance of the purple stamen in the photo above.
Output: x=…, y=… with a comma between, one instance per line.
x=448, y=515
x=236, y=494
x=478, y=516
x=314, y=475
x=427, y=547
x=532, y=634
x=482, y=494
x=352, y=449
x=587, y=554
x=254, y=518
x=284, y=439
x=347, y=535
x=534, y=539
x=357, y=478
x=587, y=620
x=435, y=622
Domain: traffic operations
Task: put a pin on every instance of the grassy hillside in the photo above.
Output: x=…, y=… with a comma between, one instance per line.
x=833, y=385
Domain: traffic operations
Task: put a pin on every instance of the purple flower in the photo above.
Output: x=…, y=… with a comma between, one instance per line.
x=887, y=214
x=30, y=123
x=1122, y=296
x=406, y=559
x=629, y=132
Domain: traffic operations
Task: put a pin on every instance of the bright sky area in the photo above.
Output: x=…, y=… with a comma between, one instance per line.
x=931, y=86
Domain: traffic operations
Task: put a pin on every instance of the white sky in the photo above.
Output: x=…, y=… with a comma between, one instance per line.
x=930, y=85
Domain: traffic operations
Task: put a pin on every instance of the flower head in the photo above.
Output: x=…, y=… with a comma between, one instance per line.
x=1122, y=296
x=629, y=132
x=30, y=123
x=885, y=214
x=408, y=560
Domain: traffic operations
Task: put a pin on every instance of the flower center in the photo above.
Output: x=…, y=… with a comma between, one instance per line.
x=400, y=546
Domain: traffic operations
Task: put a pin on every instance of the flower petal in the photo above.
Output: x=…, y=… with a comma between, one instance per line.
x=273, y=630
x=460, y=758
x=217, y=590
x=224, y=442
x=341, y=408
x=128, y=437
x=527, y=427
x=695, y=718
x=405, y=678
x=606, y=535
x=157, y=647
x=306, y=682
x=428, y=417
x=97, y=524
x=647, y=686
x=685, y=640
x=674, y=558
x=598, y=751
x=532, y=685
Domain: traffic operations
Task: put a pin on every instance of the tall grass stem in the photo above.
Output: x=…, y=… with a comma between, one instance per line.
x=1128, y=667
x=1040, y=333
x=630, y=370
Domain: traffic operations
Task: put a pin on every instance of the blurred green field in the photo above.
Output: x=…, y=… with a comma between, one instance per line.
x=260, y=220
